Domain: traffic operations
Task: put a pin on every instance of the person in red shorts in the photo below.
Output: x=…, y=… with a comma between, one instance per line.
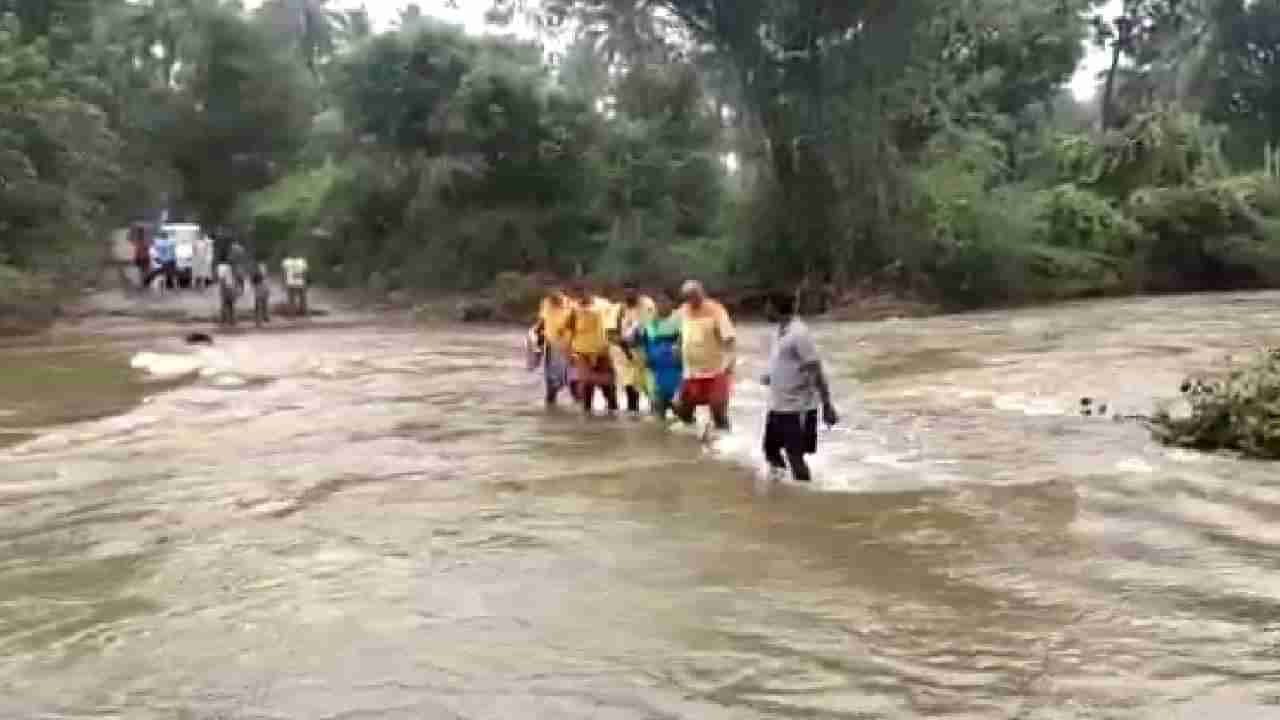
x=707, y=342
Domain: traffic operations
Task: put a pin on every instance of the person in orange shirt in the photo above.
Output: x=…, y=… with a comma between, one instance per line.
x=589, y=346
x=707, y=345
x=551, y=334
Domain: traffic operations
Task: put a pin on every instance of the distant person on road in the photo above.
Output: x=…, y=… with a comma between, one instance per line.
x=141, y=253
x=551, y=335
x=239, y=258
x=707, y=345
x=164, y=260
x=261, y=295
x=592, y=366
x=797, y=388
x=202, y=263
x=628, y=361
x=295, y=284
x=228, y=293
x=659, y=339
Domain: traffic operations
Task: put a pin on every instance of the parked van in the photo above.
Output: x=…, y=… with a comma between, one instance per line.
x=192, y=251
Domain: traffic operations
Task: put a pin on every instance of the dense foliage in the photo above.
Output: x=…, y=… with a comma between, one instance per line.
x=919, y=147
x=1238, y=411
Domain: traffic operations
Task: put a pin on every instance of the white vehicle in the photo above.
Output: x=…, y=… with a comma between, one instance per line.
x=190, y=250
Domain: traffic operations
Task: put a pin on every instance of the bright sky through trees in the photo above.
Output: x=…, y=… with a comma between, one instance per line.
x=470, y=14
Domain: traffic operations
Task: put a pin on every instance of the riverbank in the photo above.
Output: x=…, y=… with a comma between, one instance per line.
x=513, y=300
x=196, y=307
x=28, y=303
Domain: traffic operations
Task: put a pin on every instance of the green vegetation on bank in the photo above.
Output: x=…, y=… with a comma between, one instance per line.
x=921, y=148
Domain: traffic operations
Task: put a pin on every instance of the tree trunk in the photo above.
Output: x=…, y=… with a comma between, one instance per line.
x=1108, y=91
x=1124, y=37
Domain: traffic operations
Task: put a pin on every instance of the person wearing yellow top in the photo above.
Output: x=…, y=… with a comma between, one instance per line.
x=589, y=346
x=628, y=361
x=707, y=346
x=551, y=334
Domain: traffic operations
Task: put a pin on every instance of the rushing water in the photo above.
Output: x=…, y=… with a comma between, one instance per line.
x=383, y=522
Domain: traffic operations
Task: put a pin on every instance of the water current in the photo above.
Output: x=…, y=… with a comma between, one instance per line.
x=383, y=522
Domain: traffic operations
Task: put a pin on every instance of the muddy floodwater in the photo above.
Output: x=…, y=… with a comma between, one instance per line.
x=383, y=522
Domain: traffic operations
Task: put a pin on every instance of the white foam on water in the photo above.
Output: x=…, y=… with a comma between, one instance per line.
x=1135, y=465
x=1191, y=457
x=210, y=364
x=167, y=365
x=1030, y=405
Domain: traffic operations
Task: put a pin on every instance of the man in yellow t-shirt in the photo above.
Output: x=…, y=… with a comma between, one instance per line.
x=707, y=345
x=589, y=346
x=551, y=334
x=628, y=362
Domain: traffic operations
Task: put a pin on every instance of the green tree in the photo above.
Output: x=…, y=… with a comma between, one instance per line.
x=243, y=113
x=58, y=154
x=1240, y=77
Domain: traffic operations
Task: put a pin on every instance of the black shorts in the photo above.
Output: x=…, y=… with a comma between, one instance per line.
x=794, y=431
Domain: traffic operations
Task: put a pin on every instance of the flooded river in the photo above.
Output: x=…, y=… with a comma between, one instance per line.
x=383, y=522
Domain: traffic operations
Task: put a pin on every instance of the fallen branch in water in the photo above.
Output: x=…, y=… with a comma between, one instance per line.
x=1236, y=411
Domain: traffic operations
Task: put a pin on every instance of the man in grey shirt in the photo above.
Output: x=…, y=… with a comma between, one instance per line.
x=796, y=387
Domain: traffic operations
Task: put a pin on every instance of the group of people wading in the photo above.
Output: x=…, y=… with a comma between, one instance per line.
x=680, y=355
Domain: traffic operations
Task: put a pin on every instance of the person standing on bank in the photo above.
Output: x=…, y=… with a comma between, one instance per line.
x=261, y=295
x=295, y=284
x=797, y=387
x=707, y=347
x=228, y=293
x=240, y=265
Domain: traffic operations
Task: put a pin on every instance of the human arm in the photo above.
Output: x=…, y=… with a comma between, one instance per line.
x=537, y=333
x=811, y=363
x=829, y=413
x=634, y=336
x=728, y=339
x=569, y=330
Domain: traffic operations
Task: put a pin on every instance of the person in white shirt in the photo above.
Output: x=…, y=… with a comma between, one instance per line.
x=228, y=292
x=797, y=385
x=261, y=295
x=202, y=263
x=295, y=284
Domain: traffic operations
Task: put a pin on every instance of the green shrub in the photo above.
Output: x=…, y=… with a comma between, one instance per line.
x=517, y=295
x=1238, y=411
x=1214, y=235
x=1083, y=220
x=286, y=213
x=27, y=301
x=1160, y=148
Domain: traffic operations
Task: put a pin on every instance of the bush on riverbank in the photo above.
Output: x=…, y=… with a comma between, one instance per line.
x=1239, y=411
x=28, y=302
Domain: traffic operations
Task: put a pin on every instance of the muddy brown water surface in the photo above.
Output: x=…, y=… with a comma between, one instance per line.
x=382, y=522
